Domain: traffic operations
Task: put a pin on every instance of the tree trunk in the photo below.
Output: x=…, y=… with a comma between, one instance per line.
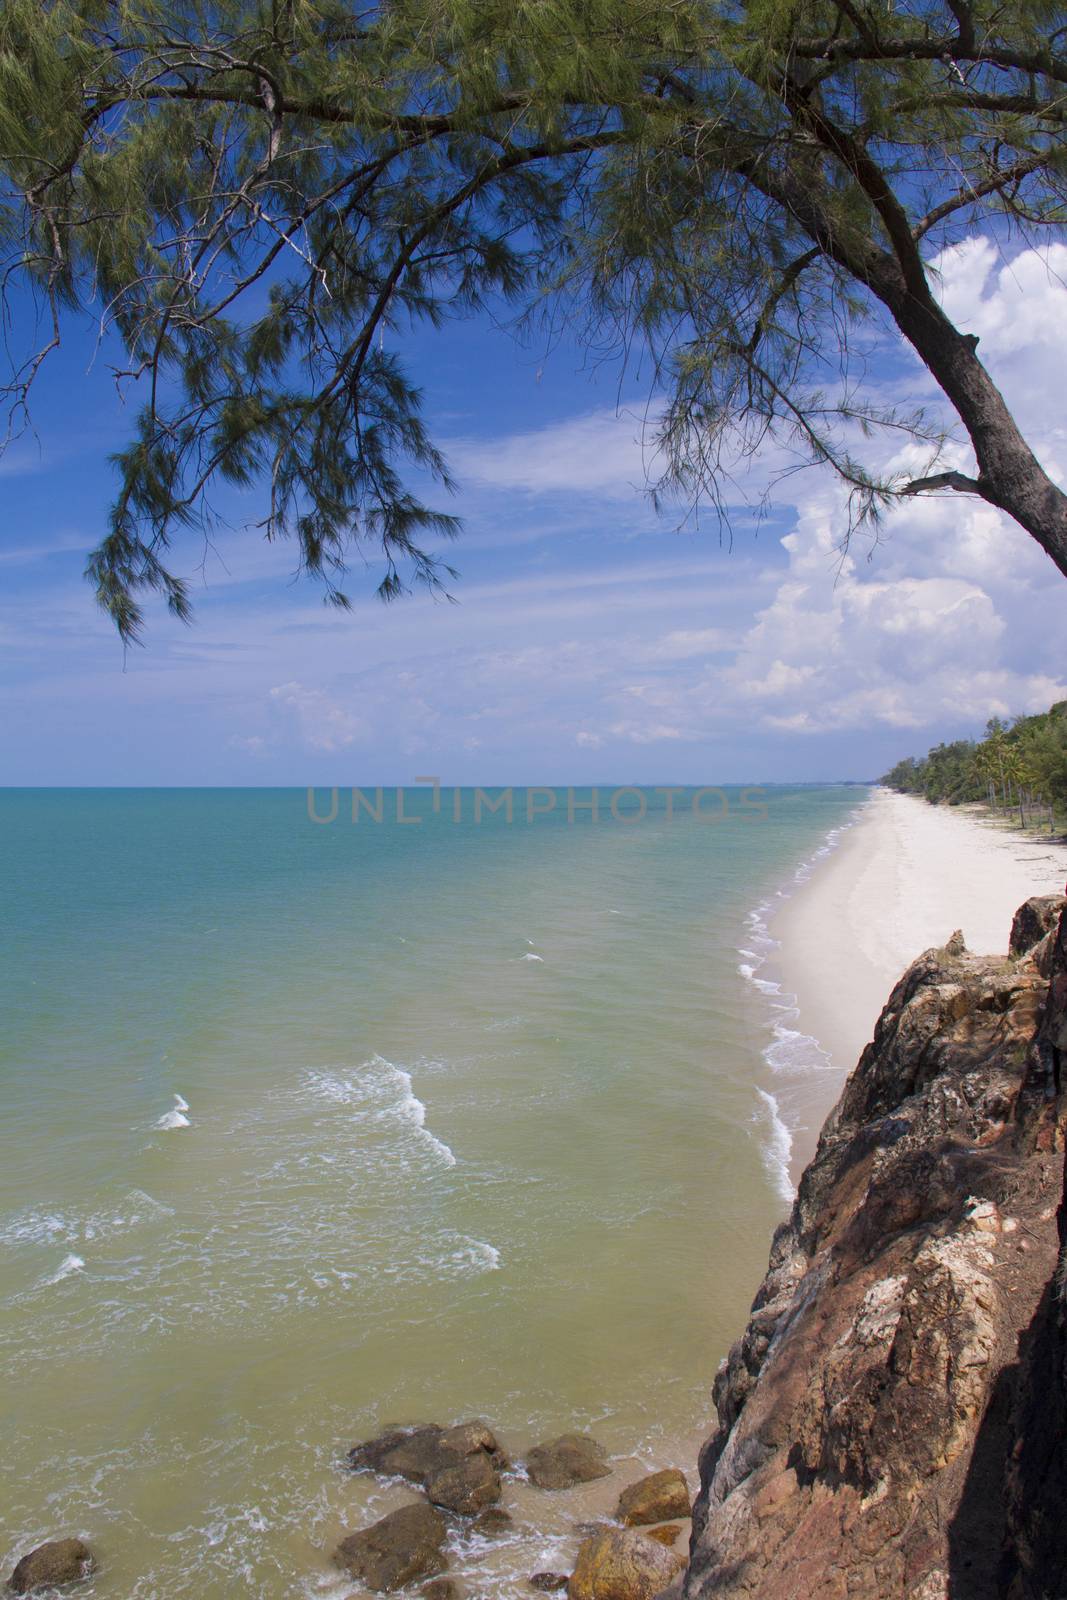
x=1009, y=474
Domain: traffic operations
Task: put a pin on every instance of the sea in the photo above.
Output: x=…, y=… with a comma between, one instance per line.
x=324, y=1111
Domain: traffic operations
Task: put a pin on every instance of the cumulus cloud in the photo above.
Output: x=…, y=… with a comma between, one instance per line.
x=321, y=723
x=1017, y=307
x=956, y=614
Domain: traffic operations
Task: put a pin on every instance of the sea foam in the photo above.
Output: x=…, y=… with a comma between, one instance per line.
x=790, y=1053
x=777, y=1145
x=410, y=1109
x=383, y=1091
x=175, y=1118
x=45, y=1227
x=476, y=1256
x=67, y=1267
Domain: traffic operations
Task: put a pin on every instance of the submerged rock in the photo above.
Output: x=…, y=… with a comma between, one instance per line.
x=561, y=1463
x=441, y=1589
x=51, y=1565
x=492, y=1523
x=398, y=1550
x=621, y=1564
x=470, y=1486
x=654, y=1499
x=548, y=1582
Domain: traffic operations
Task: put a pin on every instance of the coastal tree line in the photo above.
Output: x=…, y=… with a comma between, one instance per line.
x=255, y=201
x=1019, y=768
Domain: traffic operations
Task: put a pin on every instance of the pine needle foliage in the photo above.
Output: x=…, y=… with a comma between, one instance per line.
x=251, y=194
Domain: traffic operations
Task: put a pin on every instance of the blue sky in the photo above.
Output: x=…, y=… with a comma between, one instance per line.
x=589, y=640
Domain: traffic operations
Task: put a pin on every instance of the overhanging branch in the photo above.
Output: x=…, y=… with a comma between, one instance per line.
x=958, y=481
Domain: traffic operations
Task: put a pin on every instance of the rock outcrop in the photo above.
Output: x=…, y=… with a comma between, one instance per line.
x=51, y=1566
x=893, y=1420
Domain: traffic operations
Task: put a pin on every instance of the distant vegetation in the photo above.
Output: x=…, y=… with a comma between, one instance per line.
x=1020, y=766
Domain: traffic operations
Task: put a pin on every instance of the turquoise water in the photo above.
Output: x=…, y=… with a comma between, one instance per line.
x=310, y=1127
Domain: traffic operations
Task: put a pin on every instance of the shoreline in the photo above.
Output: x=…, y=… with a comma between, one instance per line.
x=900, y=879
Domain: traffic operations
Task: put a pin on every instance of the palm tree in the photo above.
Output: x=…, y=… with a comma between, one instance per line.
x=984, y=771
x=1017, y=774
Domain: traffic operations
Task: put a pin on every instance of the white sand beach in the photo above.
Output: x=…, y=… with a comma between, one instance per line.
x=903, y=878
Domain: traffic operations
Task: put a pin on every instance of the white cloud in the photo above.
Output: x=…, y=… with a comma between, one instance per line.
x=899, y=651
x=1013, y=305
x=646, y=732
x=64, y=545
x=686, y=643
x=607, y=453
x=321, y=723
x=1018, y=309
x=567, y=650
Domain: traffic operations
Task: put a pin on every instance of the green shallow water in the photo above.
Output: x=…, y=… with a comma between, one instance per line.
x=420, y=1174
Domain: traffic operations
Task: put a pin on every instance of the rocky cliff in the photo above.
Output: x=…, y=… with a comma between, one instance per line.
x=893, y=1420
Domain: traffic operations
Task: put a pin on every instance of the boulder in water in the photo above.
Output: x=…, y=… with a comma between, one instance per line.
x=400, y=1549
x=419, y=1453
x=657, y=1498
x=411, y=1453
x=548, y=1582
x=561, y=1463
x=470, y=1486
x=621, y=1564
x=467, y=1438
x=51, y=1565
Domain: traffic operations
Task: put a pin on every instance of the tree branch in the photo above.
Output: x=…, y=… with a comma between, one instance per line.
x=1032, y=63
x=976, y=191
x=944, y=480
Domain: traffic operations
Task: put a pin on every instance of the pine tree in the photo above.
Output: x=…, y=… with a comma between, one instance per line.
x=249, y=191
